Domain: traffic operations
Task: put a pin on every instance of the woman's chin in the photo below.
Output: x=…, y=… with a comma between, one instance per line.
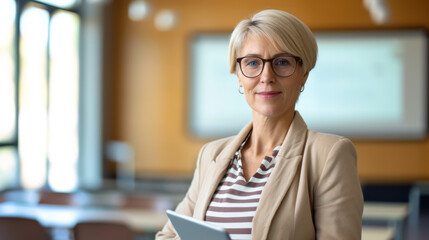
x=270, y=113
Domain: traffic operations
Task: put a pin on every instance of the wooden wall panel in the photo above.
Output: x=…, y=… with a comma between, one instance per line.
x=149, y=99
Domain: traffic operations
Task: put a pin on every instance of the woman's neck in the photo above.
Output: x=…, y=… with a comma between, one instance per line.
x=268, y=133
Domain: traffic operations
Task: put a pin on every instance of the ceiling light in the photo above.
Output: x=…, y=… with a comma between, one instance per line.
x=138, y=10
x=165, y=20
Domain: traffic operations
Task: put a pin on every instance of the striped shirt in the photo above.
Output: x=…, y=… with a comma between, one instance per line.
x=235, y=201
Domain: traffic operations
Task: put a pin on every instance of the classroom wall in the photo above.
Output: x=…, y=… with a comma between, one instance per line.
x=147, y=100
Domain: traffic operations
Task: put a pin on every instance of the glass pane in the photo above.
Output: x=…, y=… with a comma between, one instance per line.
x=60, y=3
x=8, y=168
x=33, y=97
x=7, y=69
x=63, y=101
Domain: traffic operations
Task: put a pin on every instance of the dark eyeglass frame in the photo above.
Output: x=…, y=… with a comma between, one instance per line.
x=297, y=59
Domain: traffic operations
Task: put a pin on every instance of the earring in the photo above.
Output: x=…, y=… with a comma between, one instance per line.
x=240, y=90
x=302, y=88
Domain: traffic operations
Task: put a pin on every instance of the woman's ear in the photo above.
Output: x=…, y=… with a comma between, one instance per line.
x=304, y=78
x=240, y=83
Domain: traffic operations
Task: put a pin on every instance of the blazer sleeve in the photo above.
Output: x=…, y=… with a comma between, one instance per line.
x=338, y=200
x=186, y=206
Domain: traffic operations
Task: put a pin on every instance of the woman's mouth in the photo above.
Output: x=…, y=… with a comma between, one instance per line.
x=268, y=94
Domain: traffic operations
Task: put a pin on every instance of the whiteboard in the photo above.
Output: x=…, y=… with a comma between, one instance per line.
x=366, y=85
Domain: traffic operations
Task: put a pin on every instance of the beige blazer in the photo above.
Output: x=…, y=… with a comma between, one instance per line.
x=312, y=193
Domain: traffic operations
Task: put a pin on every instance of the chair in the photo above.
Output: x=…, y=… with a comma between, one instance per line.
x=17, y=228
x=2, y=197
x=147, y=202
x=57, y=198
x=102, y=230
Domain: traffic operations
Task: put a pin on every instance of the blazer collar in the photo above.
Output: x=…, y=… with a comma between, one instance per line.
x=293, y=144
x=230, y=149
x=220, y=166
x=225, y=157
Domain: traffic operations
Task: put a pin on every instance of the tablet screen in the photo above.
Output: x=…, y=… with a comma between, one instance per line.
x=190, y=228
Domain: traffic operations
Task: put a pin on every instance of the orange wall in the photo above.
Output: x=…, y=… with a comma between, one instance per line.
x=148, y=102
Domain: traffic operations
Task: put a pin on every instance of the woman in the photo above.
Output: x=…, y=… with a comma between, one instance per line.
x=276, y=179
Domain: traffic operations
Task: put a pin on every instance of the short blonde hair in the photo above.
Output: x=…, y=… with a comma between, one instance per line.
x=282, y=29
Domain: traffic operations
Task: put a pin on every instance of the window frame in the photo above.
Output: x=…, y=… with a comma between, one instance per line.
x=89, y=156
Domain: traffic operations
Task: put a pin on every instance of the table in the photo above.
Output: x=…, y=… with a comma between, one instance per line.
x=57, y=216
x=377, y=233
x=392, y=213
x=147, y=220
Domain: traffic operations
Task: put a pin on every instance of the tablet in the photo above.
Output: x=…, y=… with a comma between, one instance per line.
x=190, y=228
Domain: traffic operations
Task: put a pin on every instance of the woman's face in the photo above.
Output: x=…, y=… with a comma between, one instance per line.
x=268, y=94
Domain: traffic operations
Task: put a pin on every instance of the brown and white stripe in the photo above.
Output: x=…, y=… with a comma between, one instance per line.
x=235, y=201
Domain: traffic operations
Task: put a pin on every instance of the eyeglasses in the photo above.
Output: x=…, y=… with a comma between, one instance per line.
x=282, y=66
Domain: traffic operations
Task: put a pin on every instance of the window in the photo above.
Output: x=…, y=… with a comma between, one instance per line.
x=8, y=107
x=39, y=94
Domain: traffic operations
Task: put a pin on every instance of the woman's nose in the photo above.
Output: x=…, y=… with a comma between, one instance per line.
x=267, y=75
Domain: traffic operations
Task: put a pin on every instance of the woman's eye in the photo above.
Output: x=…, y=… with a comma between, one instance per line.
x=282, y=62
x=252, y=63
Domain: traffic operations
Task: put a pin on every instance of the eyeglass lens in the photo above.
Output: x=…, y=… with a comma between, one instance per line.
x=282, y=66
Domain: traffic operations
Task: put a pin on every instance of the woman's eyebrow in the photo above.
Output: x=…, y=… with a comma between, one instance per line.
x=253, y=55
x=282, y=54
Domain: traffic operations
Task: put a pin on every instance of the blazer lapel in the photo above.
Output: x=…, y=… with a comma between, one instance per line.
x=288, y=161
x=217, y=169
